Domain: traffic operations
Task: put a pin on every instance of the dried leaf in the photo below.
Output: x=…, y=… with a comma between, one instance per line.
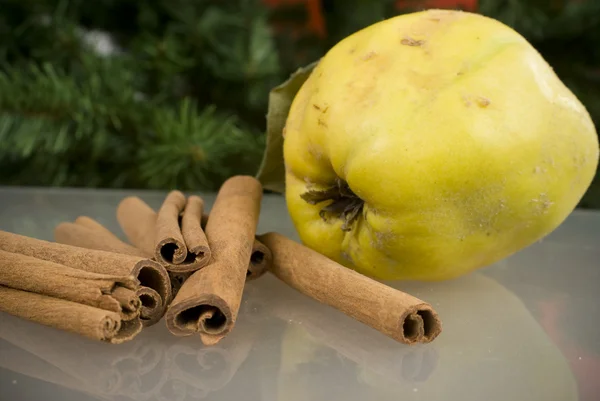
x=272, y=171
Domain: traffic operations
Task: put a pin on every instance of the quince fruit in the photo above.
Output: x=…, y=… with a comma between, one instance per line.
x=432, y=144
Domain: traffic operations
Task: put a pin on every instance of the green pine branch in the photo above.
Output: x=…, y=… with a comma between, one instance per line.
x=187, y=150
x=76, y=126
x=144, y=116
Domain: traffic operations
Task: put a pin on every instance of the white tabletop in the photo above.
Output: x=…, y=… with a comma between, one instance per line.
x=526, y=328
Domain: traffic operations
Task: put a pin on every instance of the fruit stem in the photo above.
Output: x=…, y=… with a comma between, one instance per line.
x=345, y=204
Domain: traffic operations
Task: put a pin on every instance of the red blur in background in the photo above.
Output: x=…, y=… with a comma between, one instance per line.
x=315, y=23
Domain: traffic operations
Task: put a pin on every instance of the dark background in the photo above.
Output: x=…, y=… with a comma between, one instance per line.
x=173, y=93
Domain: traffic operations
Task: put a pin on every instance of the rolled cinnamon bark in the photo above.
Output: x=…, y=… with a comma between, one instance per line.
x=85, y=320
x=149, y=273
x=192, y=231
x=87, y=233
x=152, y=309
x=180, y=242
x=169, y=246
x=138, y=222
x=260, y=261
x=108, y=292
x=134, y=212
x=208, y=302
x=396, y=314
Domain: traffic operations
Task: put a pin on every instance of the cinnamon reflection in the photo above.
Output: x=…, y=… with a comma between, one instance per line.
x=198, y=370
x=287, y=347
x=360, y=344
x=157, y=366
x=492, y=348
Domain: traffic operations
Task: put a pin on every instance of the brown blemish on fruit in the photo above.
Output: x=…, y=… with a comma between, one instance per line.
x=353, y=50
x=368, y=56
x=382, y=239
x=579, y=160
x=408, y=41
x=315, y=151
x=482, y=101
x=322, y=109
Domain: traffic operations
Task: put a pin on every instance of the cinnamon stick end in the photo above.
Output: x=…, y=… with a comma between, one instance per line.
x=421, y=325
x=260, y=261
x=129, y=301
x=152, y=309
x=153, y=275
x=128, y=330
x=202, y=256
x=208, y=316
x=171, y=251
x=210, y=339
x=109, y=327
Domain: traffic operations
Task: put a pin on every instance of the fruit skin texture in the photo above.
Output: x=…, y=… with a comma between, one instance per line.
x=460, y=139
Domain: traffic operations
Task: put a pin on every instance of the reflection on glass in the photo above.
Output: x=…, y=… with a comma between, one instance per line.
x=286, y=347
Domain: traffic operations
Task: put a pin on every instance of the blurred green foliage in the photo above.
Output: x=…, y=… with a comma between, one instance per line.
x=173, y=93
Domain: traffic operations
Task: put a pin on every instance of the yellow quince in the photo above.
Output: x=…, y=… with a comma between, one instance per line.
x=431, y=144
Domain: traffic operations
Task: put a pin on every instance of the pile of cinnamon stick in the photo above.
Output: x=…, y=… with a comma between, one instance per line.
x=188, y=267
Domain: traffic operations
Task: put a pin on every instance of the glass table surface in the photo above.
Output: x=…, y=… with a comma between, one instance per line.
x=525, y=328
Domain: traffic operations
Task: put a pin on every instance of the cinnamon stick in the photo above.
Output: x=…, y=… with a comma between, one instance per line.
x=87, y=233
x=169, y=246
x=208, y=302
x=138, y=222
x=192, y=231
x=152, y=309
x=85, y=320
x=180, y=242
x=396, y=314
x=149, y=273
x=108, y=292
x=260, y=261
x=133, y=213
